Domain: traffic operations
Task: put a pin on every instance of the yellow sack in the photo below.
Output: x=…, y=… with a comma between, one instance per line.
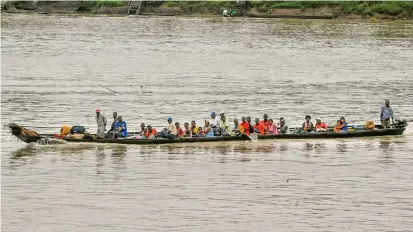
x=65, y=130
x=370, y=125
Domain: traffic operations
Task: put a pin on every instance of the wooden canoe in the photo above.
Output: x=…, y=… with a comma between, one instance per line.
x=304, y=135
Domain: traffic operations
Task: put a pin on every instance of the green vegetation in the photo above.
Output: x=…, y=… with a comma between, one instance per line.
x=401, y=9
x=171, y=3
x=371, y=8
x=112, y=3
x=368, y=8
x=347, y=7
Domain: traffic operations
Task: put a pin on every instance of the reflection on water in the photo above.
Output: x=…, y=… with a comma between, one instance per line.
x=26, y=151
x=342, y=147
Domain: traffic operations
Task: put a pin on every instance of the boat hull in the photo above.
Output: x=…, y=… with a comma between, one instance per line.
x=318, y=135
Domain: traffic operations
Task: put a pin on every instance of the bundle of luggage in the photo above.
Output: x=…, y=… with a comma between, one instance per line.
x=72, y=132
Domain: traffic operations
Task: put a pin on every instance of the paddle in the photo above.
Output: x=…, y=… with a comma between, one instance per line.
x=251, y=137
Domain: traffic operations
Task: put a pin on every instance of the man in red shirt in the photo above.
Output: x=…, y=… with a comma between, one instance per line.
x=259, y=127
x=151, y=132
x=179, y=130
x=246, y=125
x=266, y=122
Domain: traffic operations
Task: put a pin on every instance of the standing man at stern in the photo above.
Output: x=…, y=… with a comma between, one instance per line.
x=101, y=122
x=386, y=114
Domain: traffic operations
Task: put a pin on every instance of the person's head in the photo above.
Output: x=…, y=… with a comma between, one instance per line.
x=206, y=123
x=338, y=122
x=223, y=118
x=186, y=125
x=318, y=121
x=142, y=126
x=145, y=129
x=249, y=119
x=149, y=127
x=115, y=115
x=265, y=117
x=270, y=121
x=222, y=114
x=342, y=119
x=257, y=121
x=308, y=118
x=213, y=115
x=97, y=112
x=120, y=118
x=169, y=120
x=199, y=129
x=387, y=103
x=193, y=124
x=235, y=121
x=177, y=124
x=282, y=121
x=243, y=119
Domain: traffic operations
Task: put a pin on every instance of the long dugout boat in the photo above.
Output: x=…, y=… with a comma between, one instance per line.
x=378, y=131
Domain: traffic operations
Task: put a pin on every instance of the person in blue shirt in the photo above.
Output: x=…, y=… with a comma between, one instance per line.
x=120, y=128
x=343, y=124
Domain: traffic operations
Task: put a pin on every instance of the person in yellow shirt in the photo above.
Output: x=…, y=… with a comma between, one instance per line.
x=224, y=127
x=194, y=128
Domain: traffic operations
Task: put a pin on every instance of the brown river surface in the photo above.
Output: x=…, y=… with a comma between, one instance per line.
x=53, y=70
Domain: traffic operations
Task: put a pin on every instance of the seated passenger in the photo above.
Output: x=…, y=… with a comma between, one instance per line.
x=214, y=121
x=308, y=126
x=209, y=132
x=143, y=129
x=283, y=128
x=251, y=126
x=225, y=129
x=320, y=126
x=120, y=128
x=194, y=128
x=337, y=128
x=187, y=130
x=201, y=133
x=272, y=129
x=145, y=132
x=244, y=126
x=343, y=122
x=236, y=127
x=259, y=127
x=265, y=121
x=151, y=132
x=179, y=130
x=171, y=132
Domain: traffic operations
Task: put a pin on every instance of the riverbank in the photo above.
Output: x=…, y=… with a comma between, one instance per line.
x=298, y=9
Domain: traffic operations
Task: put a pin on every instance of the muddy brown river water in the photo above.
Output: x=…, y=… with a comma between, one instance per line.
x=53, y=70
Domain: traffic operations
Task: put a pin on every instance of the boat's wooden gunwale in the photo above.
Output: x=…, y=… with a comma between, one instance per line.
x=318, y=135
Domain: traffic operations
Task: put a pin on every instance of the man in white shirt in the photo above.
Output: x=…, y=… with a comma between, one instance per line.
x=101, y=122
x=214, y=121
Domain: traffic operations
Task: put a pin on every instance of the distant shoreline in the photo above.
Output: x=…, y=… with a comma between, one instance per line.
x=297, y=10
